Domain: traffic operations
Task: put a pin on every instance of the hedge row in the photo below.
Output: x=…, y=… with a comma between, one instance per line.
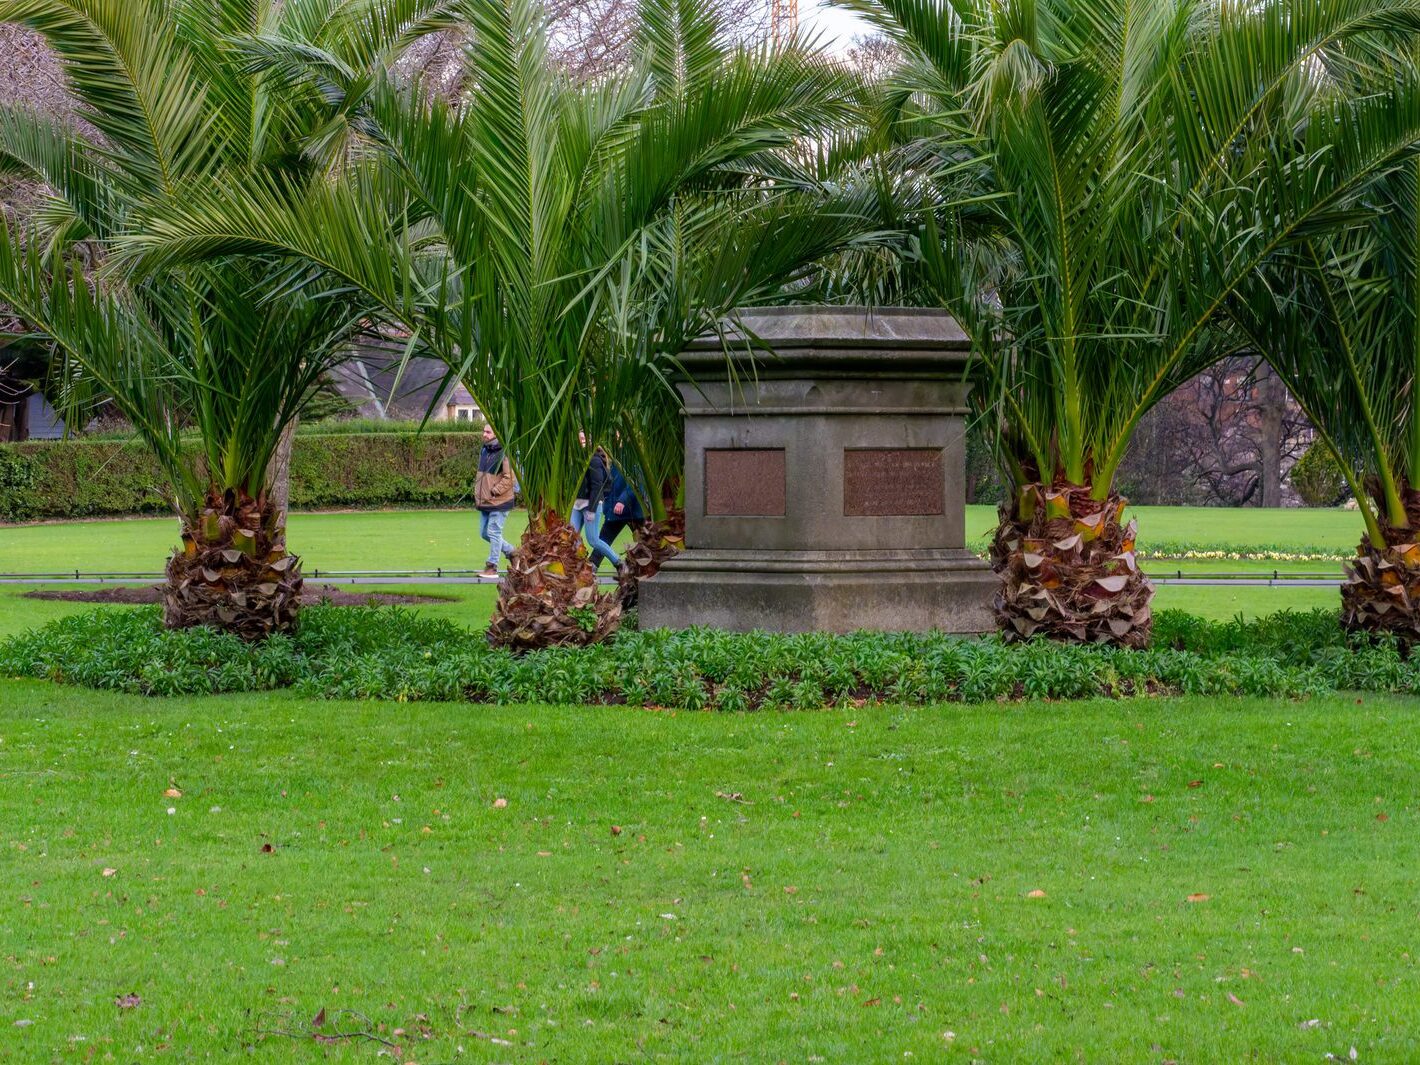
x=85, y=478
x=388, y=653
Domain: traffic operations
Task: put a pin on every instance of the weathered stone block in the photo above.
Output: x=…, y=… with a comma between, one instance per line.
x=825, y=483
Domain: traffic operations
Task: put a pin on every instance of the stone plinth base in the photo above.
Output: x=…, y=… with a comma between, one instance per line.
x=810, y=591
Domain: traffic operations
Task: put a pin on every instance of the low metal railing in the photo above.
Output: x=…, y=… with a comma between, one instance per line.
x=445, y=575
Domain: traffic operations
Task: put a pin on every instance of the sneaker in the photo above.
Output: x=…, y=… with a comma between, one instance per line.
x=489, y=571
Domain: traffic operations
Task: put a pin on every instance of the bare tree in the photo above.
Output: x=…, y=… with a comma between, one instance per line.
x=1227, y=438
x=589, y=38
x=30, y=76
x=874, y=56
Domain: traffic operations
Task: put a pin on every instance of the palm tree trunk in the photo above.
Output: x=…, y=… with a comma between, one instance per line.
x=549, y=597
x=233, y=571
x=1381, y=593
x=279, y=476
x=1068, y=570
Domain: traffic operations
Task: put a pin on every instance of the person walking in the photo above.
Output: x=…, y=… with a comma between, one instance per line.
x=621, y=509
x=493, y=493
x=587, y=507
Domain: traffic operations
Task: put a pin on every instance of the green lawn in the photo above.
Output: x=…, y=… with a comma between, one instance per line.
x=471, y=605
x=468, y=605
x=434, y=538
x=428, y=539
x=392, y=539
x=835, y=886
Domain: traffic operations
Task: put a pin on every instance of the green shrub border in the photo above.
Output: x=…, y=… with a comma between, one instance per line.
x=393, y=654
x=57, y=480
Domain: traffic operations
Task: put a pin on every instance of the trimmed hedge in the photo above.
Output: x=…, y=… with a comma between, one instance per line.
x=87, y=478
x=389, y=653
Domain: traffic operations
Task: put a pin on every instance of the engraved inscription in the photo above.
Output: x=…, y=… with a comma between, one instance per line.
x=893, y=482
x=744, y=482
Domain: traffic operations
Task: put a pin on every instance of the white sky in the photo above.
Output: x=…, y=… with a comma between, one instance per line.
x=833, y=25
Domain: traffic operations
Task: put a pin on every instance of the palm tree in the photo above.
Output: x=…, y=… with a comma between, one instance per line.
x=501, y=227
x=762, y=237
x=1337, y=318
x=705, y=259
x=1143, y=159
x=228, y=351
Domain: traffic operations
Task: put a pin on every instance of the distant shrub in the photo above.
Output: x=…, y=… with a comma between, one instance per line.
x=379, y=426
x=90, y=478
x=334, y=425
x=1318, y=479
x=390, y=653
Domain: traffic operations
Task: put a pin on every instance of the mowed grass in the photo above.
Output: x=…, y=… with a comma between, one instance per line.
x=469, y=605
x=429, y=539
x=1102, y=881
x=472, y=605
x=420, y=540
x=362, y=540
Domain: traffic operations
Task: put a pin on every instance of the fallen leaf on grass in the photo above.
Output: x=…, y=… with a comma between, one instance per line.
x=1234, y=999
x=109, y=872
x=1382, y=817
x=616, y=830
x=267, y=848
x=499, y=803
x=733, y=796
x=318, y=1021
x=1199, y=897
x=128, y=1002
x=1195, y=783
x=491, y=1038
x=1036, y=894
x=172, y=793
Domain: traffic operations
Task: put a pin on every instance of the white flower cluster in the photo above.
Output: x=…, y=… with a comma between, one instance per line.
x=1246, y=555
x=1168, y=552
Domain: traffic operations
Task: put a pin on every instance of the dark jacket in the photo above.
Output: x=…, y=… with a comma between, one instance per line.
x=594, y=481
x=620, y=492
x=495, y=487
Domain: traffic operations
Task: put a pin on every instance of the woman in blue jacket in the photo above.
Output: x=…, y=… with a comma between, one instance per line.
x=620, y=509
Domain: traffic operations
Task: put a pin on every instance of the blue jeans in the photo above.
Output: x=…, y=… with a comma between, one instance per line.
x=589, y=523
x=490, y=527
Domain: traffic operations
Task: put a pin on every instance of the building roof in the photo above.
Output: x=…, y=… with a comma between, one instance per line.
x=372, y=381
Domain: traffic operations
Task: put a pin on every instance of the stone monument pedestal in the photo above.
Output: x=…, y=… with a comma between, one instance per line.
x=824, y=485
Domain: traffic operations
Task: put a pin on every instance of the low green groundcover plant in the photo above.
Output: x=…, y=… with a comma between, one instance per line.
x=388, y=653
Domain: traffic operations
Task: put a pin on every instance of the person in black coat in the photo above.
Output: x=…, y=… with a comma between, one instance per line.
x=587, y=507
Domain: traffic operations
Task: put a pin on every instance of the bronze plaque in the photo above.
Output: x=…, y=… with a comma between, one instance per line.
x=744, y=482
x=893, y=482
